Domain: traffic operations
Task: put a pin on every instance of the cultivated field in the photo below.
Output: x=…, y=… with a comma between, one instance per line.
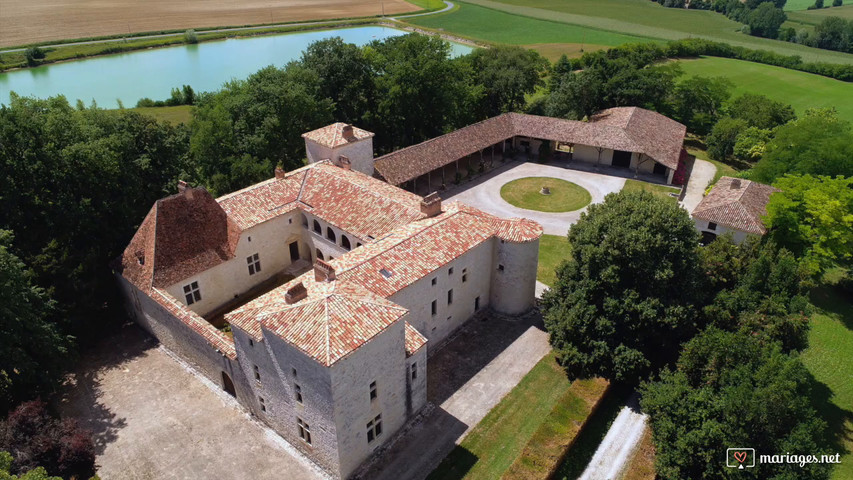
x=799, y=89
x=31, y=21
x=605, y=21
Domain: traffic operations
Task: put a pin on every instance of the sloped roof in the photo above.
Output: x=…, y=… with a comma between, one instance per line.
x=736, y=203
x=623, y=128
x=334, y=320
x=414, y=340
x=334, y=135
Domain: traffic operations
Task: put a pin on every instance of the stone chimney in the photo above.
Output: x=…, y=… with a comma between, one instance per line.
x=346, y=164
x=182, y=186
x=735, y=184
x=431, y=205
x=279, y=173
x=347, y=132
x=295, y=293
x=323, y=272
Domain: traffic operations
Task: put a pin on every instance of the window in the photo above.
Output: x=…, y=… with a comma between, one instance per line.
x=712, y=226
x=500, y=267
x=254, y=263
x=477, y=304
x=464, y=275
x=434, y=307
x=293, y=371
x=192, y=293
x=251, y=343
x=298, y=392
x=372, y=390
x=386, y=273
x=374, y=428
x=304, y=431
x=414, y=371
x=330, y=234
x=317, y=228
x=450, y=271
x=250, y=238
x=257, y=373
x=263, y=405
x=345, y=242
x=450, y=297
x=434, y=281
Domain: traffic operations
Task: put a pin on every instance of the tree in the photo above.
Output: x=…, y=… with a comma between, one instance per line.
x=765, y=20
x=33, y=352
x=759, y=111
x=36, y=439
x=6, y=461
x=625, y=301
x=836, y=3
x=813, y=217
x=733, y=390
x=344, y=76
x=817, y=144
x=242, y=132
x=750, y=144
x=834, y=33
x=507, y=73
x=723, y=137
x=697, y=102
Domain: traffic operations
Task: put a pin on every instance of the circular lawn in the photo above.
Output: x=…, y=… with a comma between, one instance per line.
x=527, y=193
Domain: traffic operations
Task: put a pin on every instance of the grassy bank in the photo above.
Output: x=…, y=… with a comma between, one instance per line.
x=553, y=249
x=495, y=443
x=632, y=185
x=799, y=89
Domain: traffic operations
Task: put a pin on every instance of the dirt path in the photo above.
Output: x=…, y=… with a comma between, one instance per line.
x=614, y=452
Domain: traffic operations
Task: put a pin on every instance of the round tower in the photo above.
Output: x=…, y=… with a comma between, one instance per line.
x=514, y=276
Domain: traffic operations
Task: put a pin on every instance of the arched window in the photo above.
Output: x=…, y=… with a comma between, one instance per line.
x=317, y=227
x=345, y=243
x=319, y=254
x=304, y=220
x=330, y=234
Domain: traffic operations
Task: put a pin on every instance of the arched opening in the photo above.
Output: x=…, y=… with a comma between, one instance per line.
x=707, y=237
x=228, y=385
x=317, y=228
x=330, y=234
x=358, y=244
x=345, y=243
x=319, y=255
x=304, y=220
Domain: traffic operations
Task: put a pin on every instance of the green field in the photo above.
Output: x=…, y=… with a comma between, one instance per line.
x=800, y=6
x=602, y=22
x=829, y=358
x=564, y=197
x=799, y=89
x=553, y=249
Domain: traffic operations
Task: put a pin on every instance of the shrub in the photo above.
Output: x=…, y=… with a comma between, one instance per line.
x=190, y=37
x=836, y=3
x=34, y=54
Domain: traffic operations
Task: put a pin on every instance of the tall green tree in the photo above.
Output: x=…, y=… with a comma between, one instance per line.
x=33, y=352
x=507, y=73
x=813, y=217
x=732, y=390
x=698, y=102
x=624, y=302
x=723, y=137
x=759, y=111
x=765, y=20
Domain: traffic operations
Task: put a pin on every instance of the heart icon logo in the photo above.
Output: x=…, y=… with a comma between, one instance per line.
x=740, y=456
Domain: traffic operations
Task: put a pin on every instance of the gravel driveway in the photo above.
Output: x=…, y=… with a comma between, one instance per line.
x=486, y=195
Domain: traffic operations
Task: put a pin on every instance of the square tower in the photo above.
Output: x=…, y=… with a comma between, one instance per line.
x=341, y=140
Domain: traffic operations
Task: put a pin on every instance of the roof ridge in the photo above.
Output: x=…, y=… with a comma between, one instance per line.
x=490, y=119
x=328, y=333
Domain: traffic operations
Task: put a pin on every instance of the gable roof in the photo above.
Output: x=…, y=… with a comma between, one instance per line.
x=335, y=135
x=736, y=203
x=334, y=320
x=623, y=128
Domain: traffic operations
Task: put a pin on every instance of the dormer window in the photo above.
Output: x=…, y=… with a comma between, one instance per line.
x=192, y=293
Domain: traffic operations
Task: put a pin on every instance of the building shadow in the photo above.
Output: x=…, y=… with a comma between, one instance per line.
x=473, y=347
x=82, y=392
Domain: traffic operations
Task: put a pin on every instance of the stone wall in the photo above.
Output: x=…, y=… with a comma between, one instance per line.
x=360, y=154
x=737, y=235
x=514, y=276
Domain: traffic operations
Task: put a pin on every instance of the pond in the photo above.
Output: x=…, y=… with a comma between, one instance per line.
x=154, y=73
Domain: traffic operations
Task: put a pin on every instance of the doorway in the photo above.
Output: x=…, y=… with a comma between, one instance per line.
x=621, y=159
x=294, y=251
x=659, y=169
x=228, y=385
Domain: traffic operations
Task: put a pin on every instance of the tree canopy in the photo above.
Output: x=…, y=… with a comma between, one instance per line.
x=624, y=302
x=759, y=111
x=507, y=74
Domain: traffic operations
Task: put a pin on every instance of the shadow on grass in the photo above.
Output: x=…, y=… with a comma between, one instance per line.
x=454, y=466
x=838, y=420
x=835, y=302
x=593, y=433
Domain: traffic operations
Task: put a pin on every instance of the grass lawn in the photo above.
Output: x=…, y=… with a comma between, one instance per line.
x=634, y=18
x=174, y=115
x=632, y=185
x=493, y=445
x=828, y=358
x=428, y=4
x=799, y=89
x=565, y=196
x=642, y=464
x=495, y=26
x=553, y=249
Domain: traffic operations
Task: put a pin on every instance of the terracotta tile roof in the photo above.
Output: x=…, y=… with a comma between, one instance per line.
x=414, y=340
x=335, y=135
x=736, y=203
x=182, y=235
x=624, y=128
x=334, y=320
x=263, y=201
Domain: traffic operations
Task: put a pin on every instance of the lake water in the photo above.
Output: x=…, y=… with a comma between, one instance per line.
x=154, y=73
